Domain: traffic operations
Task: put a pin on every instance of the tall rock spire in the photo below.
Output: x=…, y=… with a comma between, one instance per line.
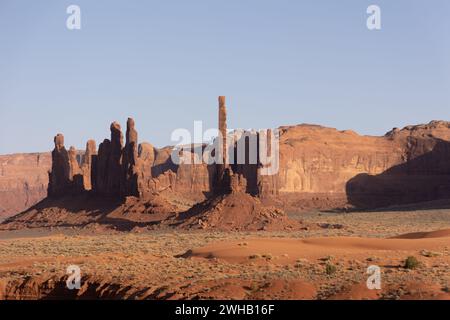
x=87, y=166
x=129, y=185
x=222, y=146
x=114, y=175
x=65, y=176
x=59, y=176
x=223, y=129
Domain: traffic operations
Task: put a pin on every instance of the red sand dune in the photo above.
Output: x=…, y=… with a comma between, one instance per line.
x=290, y=249
x=425, y=235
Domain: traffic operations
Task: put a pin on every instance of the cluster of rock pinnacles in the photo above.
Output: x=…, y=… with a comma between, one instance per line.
x=119, y=169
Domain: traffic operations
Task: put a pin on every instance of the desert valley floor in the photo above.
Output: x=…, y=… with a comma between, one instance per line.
x=328, y=261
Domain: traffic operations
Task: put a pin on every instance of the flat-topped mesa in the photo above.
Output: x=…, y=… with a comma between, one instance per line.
x=129, y=183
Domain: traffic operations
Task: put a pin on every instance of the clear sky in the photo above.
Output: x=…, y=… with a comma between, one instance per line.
x=165, y=62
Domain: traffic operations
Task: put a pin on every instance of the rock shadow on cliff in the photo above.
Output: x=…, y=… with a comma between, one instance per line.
x=425, y=178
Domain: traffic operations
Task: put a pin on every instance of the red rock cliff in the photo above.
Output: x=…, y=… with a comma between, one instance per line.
x=23, y=181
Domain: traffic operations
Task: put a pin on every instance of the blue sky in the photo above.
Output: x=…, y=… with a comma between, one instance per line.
x=165, y=62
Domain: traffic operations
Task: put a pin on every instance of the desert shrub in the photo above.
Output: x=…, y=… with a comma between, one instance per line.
x=411, y=263
x=330, y=269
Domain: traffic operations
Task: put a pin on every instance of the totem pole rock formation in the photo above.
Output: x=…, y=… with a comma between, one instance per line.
x=129, y=183
x=87, y=167
x=238, y=153
x=66, y=175
x=59, y=177
x=100, y=173
x=108, y=167
x=222, y=145
x=114, y=172
x=223, y=128
x=138, y=170
x=76, y=174
x=315, y=165
x=74, y=167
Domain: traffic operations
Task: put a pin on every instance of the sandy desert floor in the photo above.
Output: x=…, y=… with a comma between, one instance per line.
x=324, y=263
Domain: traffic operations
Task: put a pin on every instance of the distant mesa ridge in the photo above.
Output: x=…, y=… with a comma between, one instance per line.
x=319, y=167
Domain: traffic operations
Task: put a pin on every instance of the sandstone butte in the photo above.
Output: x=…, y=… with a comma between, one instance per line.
x=319, y=168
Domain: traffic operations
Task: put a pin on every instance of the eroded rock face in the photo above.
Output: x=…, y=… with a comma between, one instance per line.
x=195, y=178
x=238, y=183
x=320, y=166
x=87, y=167
x=408, y=165
x=422, y=175
x=108, y=164
x=60, y=175
x=315, y=163
x=66, y=176
x=146, y=159
x=114, y=173
x=129, y=183
x=74, y=166
x=267, y=183
x=222, y=146
x=23, y=181
x=192, y=181
x=313, y=156
x=101, y=165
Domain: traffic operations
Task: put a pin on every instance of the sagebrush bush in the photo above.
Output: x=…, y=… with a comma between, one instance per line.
x=330, y=269
x=411, y=263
